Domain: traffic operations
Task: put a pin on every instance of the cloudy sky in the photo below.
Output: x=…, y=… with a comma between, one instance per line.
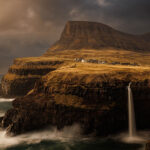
x=29, y=27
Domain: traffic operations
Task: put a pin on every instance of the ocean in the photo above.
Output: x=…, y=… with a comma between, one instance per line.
x=70, y=138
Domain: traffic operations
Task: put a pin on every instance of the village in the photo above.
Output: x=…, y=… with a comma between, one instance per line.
x=95, y=61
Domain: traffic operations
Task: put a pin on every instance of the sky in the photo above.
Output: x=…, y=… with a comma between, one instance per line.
x=30, y=27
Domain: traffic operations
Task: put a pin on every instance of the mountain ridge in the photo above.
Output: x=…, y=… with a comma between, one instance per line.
x=93, y=35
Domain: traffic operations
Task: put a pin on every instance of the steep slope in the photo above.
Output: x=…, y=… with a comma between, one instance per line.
x=77, y=35
x=95, y=96
x=24, y=72
x=91, y=35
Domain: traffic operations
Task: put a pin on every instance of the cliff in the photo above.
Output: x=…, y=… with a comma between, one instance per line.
x=24, y=72
x=95, y=96
x=92, y=35
x=88, y=40
x=60, y=91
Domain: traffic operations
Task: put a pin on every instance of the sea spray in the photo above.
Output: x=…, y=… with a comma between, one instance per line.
x=67, y=134
x=132, y=136
x=5, y=104
x=6, y=100
x=6, y=141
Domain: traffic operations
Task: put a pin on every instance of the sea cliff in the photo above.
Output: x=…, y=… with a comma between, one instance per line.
x=24, y=72
x=59, y=90
x=97, y=100
x=79, y=39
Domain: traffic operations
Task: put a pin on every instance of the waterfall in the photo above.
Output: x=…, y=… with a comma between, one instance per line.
x=131, y=114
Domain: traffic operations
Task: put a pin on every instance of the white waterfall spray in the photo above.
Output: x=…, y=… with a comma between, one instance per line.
x=131, y=114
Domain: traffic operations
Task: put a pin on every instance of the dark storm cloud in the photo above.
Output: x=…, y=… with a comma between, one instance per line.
x=129, y=15
x=29, y=27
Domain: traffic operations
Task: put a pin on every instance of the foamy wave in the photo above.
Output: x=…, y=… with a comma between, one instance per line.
x=68, y=134
x=2, y=114
x=140, y=138
x=6, y=141
x=6, y=100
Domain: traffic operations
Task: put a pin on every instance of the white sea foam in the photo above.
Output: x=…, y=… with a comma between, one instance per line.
x=3, y=106
x=1, y=114
x=141, y=138
x=68, y=134
x=6, y=99
x=6, y=141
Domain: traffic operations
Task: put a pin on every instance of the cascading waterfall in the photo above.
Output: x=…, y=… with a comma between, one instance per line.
x=131, y=114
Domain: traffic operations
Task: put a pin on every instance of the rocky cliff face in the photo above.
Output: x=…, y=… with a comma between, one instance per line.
x=98, y=102
x=45, y=112
x=91, y=35
x=23, y=74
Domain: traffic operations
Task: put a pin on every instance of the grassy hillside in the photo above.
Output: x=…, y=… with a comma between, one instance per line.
x=109, y=55
x=86, y=72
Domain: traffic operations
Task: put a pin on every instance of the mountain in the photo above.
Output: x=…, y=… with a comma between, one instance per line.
x=92, y=35
x=60, y=91
x=76, y=38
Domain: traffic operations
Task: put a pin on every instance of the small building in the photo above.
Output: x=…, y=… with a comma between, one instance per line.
x=83, y=60
x=78, y=59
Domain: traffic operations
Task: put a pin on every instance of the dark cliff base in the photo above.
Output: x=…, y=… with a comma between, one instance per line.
x=28, y=115
x=99, y=109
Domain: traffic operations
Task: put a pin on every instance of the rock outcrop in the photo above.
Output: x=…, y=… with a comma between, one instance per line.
x=92, y=35
x=24, y=72
x=95, y=100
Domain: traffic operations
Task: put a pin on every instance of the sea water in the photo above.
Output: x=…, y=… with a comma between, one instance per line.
x=69, y=138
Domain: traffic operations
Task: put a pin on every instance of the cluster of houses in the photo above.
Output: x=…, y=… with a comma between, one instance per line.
x=90, y=61
x=103, y=62
x=126, y=64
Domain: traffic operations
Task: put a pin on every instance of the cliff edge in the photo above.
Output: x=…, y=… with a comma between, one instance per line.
x=94, y=96
x=24, y=72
